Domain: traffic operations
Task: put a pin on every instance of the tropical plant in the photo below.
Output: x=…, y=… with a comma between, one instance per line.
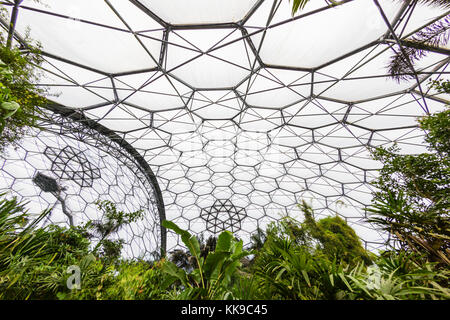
x=283, y=269
x=136, y=280
x=20, y=97
x=441, y=85
x=111, y=223
x=33, y=260
x=412, y=202
x=286, y=269
x=125, y=280
x=300, y=261
x=335, y=238
x=330, y=236
x=34, y=265
x=258, y=239
x=396, y=276
x=184, y=259
x=213, y=274
x=432, y=38
x=8, y=107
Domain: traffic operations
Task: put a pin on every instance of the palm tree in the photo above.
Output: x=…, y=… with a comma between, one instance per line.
x=432, y=38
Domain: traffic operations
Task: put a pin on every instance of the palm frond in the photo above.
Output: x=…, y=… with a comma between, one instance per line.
x=445, y=4
x=435, y=34
x=418, y=46
x=298, y=5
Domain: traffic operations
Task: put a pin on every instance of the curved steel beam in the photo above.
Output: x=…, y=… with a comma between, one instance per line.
x=77, y=116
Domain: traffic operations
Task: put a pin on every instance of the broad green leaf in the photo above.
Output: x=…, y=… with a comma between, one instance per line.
x=237, y=250
x=224, y=241
x=178, y=273
x=213, y=263
x=171, y=225
x=305, y=275
x=196, y=276
x=189, y=240
x=231, y=268
x=10, y=106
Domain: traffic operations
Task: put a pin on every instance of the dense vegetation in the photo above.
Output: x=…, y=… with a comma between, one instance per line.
x=20, y=98
x=310, y=260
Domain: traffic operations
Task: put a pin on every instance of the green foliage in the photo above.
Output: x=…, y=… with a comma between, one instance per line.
x=33, y=260
x=441, y=85
x=291, y=264
x=113, y=220
x=136, y=281
x=418, y=45
x=336, y=238
x=286, y=269
x=127, y=280
x=213, y=275
x=283, y=269
x=396, y=276
x=412, y=202
x=321, y=259
x=185, y=260
x=298, y=5
x=331, y=237
x=20, y=97
x=306, y=260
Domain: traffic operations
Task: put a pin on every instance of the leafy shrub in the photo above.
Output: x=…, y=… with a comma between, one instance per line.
x=213, y=274
x=412, y=201
x=34, y=261
x=311, y=261
x=291, y=264
x=20, y=98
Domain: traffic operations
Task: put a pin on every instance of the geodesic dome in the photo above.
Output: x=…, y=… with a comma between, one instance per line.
x=240, y=109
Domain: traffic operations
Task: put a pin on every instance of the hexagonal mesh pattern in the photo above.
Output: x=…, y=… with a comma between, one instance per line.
x=68, y=167
x=72, y=164
x=223, y=215
x=238, y=102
